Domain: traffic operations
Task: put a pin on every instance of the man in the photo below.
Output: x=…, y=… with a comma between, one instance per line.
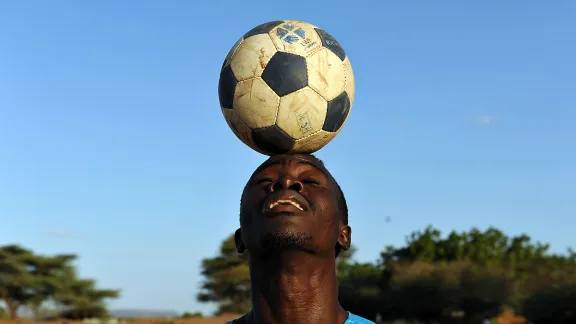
x=293, y=224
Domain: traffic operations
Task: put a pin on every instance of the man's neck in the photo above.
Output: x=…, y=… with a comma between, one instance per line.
x=294, y=288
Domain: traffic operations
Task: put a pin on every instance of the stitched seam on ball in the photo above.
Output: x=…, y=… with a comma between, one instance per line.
x=273, y=42
x=232, y=59
x=240, y=119
x=318, y=93
x=305, y=137
x=321, y=96
x=277, y=107
x=346, y=78
x=280, y=100
x=314, y=51
x=236, y=49
x=245, y=125
x=317, y=49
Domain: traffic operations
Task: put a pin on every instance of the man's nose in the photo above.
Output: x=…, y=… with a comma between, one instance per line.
x=286, y=182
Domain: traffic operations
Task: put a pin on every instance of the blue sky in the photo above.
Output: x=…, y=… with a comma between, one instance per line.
x=113, y=146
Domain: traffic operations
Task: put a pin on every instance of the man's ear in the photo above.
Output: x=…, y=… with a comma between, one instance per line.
x=240, y=247
x=345, y=237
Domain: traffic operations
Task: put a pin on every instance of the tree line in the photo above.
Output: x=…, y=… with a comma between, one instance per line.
x=37, y=282
x=458, y=278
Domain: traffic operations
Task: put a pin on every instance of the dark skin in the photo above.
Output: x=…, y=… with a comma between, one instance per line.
x=291, y=228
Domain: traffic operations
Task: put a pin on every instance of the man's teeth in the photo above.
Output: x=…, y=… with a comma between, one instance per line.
x=293, y=203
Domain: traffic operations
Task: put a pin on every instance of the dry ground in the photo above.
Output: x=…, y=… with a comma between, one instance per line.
x=506, y=318
x=209, y=320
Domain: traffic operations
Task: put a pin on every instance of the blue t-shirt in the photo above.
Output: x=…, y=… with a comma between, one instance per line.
x=352, y=319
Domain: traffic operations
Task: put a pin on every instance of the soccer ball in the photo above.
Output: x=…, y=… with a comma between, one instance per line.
x=286, y=87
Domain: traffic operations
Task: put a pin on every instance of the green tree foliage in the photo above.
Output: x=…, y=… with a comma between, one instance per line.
x=457, y=278
x=360, y=288
x=227, y=280
x=476, y=273
x=31, y=280
x=424, y=291
x=483, y=248
x=343, y=262
x=555, y=305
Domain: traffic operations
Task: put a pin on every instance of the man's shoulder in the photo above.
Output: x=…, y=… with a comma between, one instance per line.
x=355, y=319
x=241, y=320
x=352, y=319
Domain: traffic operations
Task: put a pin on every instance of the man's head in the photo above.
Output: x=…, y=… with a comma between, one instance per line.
x=292, y=202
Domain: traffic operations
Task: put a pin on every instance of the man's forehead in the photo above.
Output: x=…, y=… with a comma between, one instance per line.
x=293, y=158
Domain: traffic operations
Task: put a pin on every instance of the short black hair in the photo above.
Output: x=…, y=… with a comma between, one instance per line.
x=343, y=206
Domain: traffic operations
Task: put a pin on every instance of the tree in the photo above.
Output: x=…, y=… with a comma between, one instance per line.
x=227, y=280
x=417, y=292
x=549, y=290
x=81, y=299
x=360, y=290
x=192, y=315
x=48, y=273
x=477, y=273
x=489, y=247
x=17, y=283
x=343, y=262
x=29, y=279
x=555, y=305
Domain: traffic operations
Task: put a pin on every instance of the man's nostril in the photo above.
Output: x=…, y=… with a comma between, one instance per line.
x=296, y=186
x=292, y=185
x=275, y=186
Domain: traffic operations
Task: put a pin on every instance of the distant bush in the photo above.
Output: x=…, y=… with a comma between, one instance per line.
x=193, y=315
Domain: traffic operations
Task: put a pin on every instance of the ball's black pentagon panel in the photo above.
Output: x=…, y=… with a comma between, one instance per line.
x=263, y=28
x=231, y=52
x=338, y=110
x=272, y=140
x=331, y=43
x=286, y=73
x=226, y=87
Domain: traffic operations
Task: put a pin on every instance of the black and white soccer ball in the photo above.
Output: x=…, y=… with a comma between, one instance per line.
x=286, y=87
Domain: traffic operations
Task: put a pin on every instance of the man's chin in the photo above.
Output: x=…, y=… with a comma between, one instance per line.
x=284, y=241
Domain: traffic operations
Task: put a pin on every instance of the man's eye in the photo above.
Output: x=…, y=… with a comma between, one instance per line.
x=263, y=180
x=311, y=181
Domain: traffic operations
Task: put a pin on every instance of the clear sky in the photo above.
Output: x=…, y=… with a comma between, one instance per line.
x=113, y=146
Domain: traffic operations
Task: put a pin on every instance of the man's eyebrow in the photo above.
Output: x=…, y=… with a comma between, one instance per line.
x=314, y=165
x=265, y=165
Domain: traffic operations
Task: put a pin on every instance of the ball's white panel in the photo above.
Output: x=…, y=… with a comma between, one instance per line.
x=255, y=103
x=326, y=73
x=350, y=81
x=252, y=56
x=313, y=142
x=296, y=37
x=240, y=129
x=301, y=113
x=232, y=52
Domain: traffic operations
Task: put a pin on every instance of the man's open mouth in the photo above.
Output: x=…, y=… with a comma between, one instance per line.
x=285, y=201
